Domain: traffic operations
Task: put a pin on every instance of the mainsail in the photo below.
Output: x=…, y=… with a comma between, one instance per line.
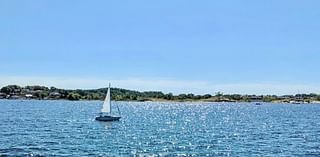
x=107, y=103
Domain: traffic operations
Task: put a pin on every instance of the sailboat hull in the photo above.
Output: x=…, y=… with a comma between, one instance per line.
x=107, y=118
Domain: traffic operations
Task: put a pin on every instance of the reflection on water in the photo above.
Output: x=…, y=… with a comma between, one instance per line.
x=106, y=125
x=65, y=128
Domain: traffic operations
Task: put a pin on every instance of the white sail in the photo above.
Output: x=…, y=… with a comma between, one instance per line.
x=107, y=103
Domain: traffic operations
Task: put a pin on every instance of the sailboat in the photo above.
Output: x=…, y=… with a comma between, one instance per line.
x=105, y=114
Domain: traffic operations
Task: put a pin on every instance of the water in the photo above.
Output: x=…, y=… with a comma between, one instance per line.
x=65, y=128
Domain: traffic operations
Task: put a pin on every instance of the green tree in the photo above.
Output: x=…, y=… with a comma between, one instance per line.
x=182, y=96
x=168, y=96
x=11, y=89
x=74, y=96
x=207, y=96
x=219, y=94
x=6, y=90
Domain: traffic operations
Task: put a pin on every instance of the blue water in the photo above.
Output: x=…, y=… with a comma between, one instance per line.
x=65, y=128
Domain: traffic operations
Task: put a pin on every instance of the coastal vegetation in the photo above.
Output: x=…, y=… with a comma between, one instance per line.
x=118, y=94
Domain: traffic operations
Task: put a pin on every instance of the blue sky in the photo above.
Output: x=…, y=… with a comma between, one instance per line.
x=238, y=46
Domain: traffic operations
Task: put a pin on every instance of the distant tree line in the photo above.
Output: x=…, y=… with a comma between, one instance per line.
x=118, y=94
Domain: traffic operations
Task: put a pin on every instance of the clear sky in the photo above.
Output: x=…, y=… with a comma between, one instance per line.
x=233, y=46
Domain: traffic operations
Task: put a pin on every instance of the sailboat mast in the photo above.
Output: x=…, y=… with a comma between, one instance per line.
x=110, y=96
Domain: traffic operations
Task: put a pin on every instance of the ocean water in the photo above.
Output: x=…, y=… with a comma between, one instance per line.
x=68, y=128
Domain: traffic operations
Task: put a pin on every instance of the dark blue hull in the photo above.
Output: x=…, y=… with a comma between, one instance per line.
x=107, y=118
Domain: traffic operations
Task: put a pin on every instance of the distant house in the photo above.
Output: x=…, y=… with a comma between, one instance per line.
x=3, y=95
x=254, y=97
x=29, y=96
x=54, y=95
x=14, y=97
x=17, y=90
x=226, y=100
x=284, y=97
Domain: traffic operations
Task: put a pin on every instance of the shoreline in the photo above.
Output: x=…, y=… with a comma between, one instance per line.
x=37, y=92
x=165, y=101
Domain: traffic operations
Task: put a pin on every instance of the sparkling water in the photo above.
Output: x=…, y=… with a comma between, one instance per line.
x=68, y=128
